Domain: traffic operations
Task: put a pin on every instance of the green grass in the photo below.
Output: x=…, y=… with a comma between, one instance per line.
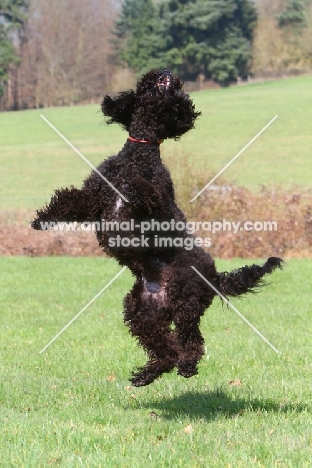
x=72, y=406
x=34, y=160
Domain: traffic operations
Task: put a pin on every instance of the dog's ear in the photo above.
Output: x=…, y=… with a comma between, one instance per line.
x=120, y=108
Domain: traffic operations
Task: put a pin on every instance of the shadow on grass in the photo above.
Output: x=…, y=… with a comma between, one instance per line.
x=212, y=405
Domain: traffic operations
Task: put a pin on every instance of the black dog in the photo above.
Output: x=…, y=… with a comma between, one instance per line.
x=167, y=290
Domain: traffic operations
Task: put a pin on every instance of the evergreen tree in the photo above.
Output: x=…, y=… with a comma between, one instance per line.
x=294, y=16
x=135, y=34
x=7, y=56
x=212, y=37
x=12, y=20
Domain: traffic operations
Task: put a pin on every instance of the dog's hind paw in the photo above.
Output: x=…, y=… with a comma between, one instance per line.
x=144, y=377
x=154, y=369
x=142, y=381
x=187, y=369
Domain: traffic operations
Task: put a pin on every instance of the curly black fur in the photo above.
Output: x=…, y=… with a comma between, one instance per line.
x=246, y=279
x=167, y=290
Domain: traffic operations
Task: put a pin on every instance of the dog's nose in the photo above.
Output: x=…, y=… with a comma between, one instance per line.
x=164, y=81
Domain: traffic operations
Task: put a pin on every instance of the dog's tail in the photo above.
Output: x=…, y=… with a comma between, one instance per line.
x=247, y=278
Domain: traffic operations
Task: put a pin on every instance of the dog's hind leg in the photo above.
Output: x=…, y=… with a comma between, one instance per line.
x=190, y=343
x=151, y=326
x=156, y=337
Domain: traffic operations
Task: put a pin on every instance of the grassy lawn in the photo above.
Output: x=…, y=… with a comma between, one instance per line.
x=35, y=161
x=72, y=406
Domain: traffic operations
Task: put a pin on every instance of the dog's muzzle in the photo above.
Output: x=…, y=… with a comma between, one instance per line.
x=164, y=81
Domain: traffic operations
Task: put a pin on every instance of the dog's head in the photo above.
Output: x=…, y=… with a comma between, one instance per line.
x=158, y=109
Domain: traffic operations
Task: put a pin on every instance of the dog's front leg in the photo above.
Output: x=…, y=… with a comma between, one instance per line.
x=67, y=204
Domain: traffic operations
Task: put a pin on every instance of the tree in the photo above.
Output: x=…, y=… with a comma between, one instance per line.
x=12, y=21
x=294, y=16
x=8, y=56
x=282, y=43
x=212, y=37
x=135, y=41
x=66, y=57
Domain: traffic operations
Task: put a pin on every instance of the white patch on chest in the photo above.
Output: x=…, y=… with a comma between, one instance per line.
x=118, y=204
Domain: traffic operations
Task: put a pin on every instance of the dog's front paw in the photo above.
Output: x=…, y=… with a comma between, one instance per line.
x=36, y=224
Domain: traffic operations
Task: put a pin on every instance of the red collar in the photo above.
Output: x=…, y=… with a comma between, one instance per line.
x=136, y=140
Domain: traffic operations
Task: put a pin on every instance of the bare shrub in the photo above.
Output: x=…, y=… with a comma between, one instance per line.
x=290, y=209
x=66, y=58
